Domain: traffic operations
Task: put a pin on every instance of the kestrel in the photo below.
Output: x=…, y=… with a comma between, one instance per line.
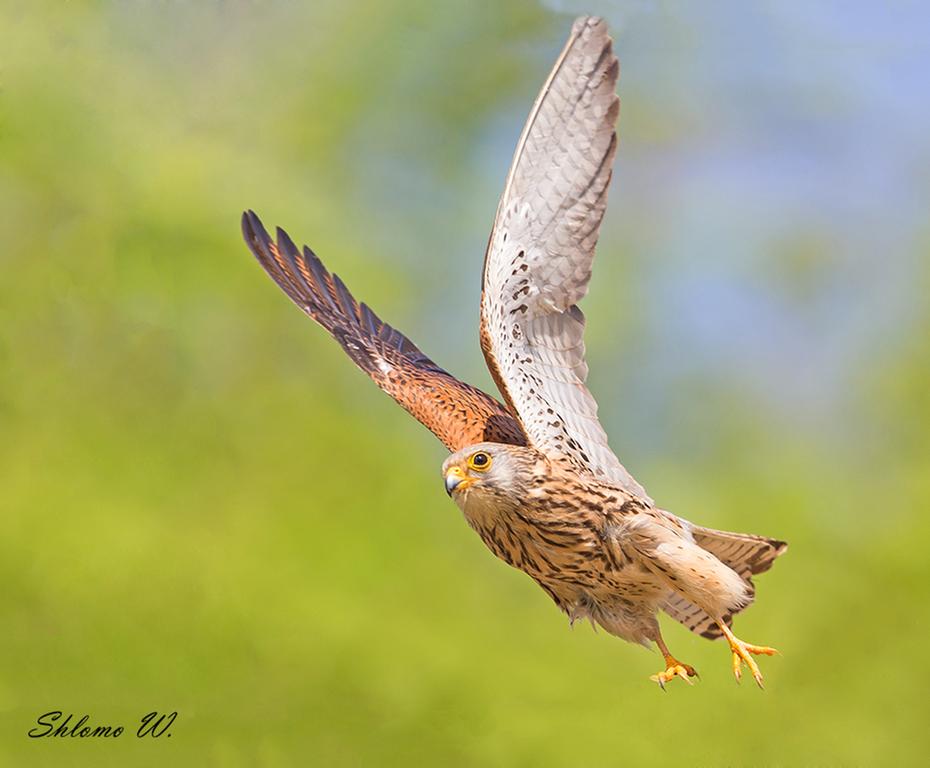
x=534, y=476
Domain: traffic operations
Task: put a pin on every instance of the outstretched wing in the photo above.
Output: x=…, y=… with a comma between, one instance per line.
x=539, y=256
x=458, y=414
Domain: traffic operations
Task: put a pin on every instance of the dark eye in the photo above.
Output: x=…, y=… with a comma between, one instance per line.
x=479, y=461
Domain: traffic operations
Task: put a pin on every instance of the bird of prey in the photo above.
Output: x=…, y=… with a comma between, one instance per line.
x=534, y=475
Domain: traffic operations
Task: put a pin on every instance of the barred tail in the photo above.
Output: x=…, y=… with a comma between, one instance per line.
x=744, y=553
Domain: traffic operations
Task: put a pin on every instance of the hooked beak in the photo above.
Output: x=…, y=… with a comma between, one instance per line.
x=456, y=480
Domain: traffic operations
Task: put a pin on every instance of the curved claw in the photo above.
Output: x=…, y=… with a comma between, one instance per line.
x=743, y=653
x=674, y=669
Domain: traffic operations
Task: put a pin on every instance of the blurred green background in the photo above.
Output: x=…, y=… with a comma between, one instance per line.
x=206, y=508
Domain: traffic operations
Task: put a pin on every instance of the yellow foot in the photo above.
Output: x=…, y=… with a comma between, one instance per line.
x=673, y=669
x=743, y=653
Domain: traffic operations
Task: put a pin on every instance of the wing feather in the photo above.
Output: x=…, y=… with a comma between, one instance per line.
x=540, y=253
x=457, y=413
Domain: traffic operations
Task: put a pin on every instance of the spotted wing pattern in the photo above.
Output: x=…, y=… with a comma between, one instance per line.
x=540, y=252
x=458, y=414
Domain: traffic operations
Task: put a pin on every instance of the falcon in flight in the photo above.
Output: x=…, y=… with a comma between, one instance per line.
x=534, y=475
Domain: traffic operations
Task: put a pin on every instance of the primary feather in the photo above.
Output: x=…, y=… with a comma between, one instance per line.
x=457, y=413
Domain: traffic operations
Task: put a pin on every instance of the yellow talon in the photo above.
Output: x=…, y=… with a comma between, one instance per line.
x=673, y=669
x=743, y=653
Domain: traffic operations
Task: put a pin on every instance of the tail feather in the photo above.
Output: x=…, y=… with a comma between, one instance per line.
x=745, y=553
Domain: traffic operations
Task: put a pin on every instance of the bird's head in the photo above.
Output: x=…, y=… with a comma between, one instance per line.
x=489, y=471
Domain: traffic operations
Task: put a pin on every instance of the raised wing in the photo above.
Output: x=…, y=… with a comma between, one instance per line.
x=458, y=414
x=539, y=256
